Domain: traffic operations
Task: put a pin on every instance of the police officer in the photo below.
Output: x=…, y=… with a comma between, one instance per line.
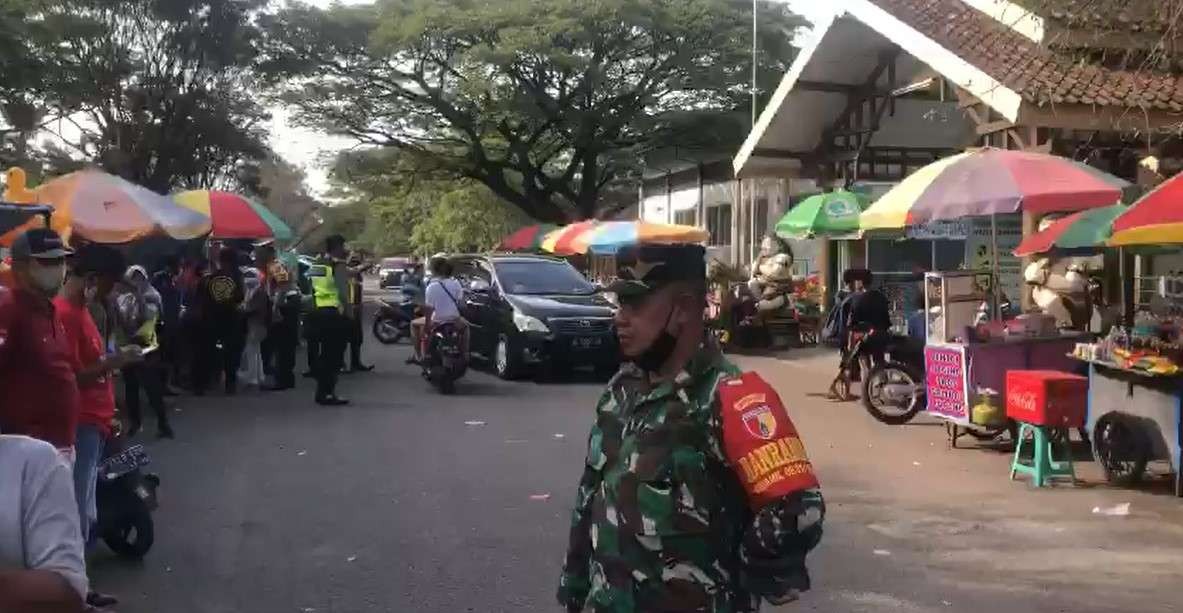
x=328, y=320
x=696, y=493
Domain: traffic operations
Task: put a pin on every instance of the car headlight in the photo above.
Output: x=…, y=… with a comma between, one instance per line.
x=526, y=323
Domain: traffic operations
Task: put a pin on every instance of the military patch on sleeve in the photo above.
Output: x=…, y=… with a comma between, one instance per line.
x=761, y=441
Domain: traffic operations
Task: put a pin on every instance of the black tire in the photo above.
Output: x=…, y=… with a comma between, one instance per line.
x=882, y=373
x=1121, y=448
x=133, y=537
x=382, y=330
x=445, y=384
x=506, y=361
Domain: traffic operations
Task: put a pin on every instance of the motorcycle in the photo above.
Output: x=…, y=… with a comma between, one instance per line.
x=894, y=388
x=125, y=496
x=392, y=321
x=445, y=360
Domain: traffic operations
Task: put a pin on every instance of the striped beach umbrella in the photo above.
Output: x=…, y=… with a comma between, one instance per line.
x=1155, y=219
x=230, y=215
x=1083, y=230
x=993, y=181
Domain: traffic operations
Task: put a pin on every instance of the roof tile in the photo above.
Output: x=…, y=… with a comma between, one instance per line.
x=1038, y=74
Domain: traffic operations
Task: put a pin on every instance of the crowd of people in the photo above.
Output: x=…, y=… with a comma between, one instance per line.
x=78, y=321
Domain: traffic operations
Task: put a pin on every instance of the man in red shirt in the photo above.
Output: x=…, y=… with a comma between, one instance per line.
x=36, y=359
x=93, y=272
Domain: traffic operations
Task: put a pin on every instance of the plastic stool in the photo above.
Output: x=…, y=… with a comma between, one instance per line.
x=1042, y=468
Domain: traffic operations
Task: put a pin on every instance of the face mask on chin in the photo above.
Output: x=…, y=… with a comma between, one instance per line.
x=47, y=279
x=652, y=359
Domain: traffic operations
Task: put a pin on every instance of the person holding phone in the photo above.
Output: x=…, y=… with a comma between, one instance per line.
x=91, y=276
x=138, y=308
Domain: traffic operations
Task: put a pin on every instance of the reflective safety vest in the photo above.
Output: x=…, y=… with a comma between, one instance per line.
x=324, y=287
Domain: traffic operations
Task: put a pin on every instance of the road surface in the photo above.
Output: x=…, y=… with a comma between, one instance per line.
x=407, y=501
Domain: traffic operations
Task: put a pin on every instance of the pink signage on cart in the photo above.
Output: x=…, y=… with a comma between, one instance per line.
x=945, y=373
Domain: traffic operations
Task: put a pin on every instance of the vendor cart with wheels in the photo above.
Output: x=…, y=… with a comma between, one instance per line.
x=965, y=363
x=1135, y=417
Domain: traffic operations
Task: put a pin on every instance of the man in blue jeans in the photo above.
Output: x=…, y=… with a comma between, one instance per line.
x=92, y=274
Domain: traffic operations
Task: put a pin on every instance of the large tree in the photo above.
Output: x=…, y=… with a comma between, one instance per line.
x=545, y=102
x=157, y=91
x=412, y=208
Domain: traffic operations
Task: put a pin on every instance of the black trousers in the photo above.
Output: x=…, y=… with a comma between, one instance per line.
x=230, y=333
x=356, y=336
x=282, y=340
x=148, y=376
x=329, y=332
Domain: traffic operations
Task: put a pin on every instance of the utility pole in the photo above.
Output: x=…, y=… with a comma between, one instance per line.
x=754, y=64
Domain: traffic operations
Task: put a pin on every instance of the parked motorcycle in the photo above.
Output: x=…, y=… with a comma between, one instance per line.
x=125, y=496
x=445, y=360
x=392, y=321
x=894, y=388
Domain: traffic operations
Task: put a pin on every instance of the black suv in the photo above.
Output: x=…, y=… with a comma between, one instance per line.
x=528, y=310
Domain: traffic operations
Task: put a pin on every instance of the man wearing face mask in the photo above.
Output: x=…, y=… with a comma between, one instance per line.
x=696, y=493
x=36, y=358
x=94, y=271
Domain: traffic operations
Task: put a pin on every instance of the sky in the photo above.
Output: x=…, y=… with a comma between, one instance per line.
x=313, y=151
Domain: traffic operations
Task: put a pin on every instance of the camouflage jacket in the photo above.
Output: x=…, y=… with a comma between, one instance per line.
x=661, y=522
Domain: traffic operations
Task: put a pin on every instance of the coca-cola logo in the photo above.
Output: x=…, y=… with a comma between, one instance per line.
x=1024, y=401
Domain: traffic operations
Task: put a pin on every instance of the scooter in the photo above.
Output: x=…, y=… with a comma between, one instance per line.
x=125, y=496
x=894, y=389
x=392, y=321
x=445, y=360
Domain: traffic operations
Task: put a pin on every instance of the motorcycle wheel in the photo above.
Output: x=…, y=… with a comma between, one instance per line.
x=442, y=381
x=132, y=537
x=1121, y=448
x=882, y=374
x=387, y=330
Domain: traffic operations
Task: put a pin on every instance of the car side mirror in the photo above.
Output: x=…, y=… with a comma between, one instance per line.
x=479, y=286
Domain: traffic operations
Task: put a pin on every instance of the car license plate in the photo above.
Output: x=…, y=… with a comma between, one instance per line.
x=587, y=342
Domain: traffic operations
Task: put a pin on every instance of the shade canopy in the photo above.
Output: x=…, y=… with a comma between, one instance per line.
x=830, y=214
x=230, y=216
x=104, y=208
x=1083, y=230
x=1155, y=219
x=528, y=238
x=993, y=181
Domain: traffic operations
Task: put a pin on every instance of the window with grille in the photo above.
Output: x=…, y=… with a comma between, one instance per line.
x=719, y=225
x=685, y=218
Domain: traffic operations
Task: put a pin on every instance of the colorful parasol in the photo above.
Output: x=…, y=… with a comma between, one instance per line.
x=104, y=208
x=232, y=216
x=1083, y=230
x=528, y=238
x=560, y=241
x=833, y=213
x=993, y=181
x=611, y=236
x=1156, y=218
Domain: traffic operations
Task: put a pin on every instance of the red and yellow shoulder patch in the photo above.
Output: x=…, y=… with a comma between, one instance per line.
x=760, y=439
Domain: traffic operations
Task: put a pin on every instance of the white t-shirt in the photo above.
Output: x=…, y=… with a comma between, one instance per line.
x=444, y=307
x=38, y=515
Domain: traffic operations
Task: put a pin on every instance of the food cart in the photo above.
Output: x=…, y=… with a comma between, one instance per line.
x=966, y=361
x=1135, y=407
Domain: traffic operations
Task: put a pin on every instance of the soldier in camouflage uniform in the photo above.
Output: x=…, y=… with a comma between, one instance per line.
x=662, y=520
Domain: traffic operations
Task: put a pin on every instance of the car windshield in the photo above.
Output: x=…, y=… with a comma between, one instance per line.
x=542, y=277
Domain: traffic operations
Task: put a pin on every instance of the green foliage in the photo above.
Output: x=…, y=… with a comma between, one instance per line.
x=548, y=103
x=157, y=91
x=407, y=207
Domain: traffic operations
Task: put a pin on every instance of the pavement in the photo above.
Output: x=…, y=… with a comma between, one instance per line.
x=409, y=501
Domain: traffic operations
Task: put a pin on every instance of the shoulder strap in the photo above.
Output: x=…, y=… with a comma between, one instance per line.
x=444, y=287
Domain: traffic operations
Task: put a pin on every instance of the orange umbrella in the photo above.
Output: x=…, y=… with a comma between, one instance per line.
x=104, y=208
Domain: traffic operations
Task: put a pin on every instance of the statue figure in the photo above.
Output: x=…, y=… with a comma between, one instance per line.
x=771, y=281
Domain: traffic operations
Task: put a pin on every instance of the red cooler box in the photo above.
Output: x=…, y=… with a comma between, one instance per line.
x=1047, y=398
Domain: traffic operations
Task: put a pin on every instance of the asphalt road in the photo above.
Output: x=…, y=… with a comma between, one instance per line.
x=408, y=501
